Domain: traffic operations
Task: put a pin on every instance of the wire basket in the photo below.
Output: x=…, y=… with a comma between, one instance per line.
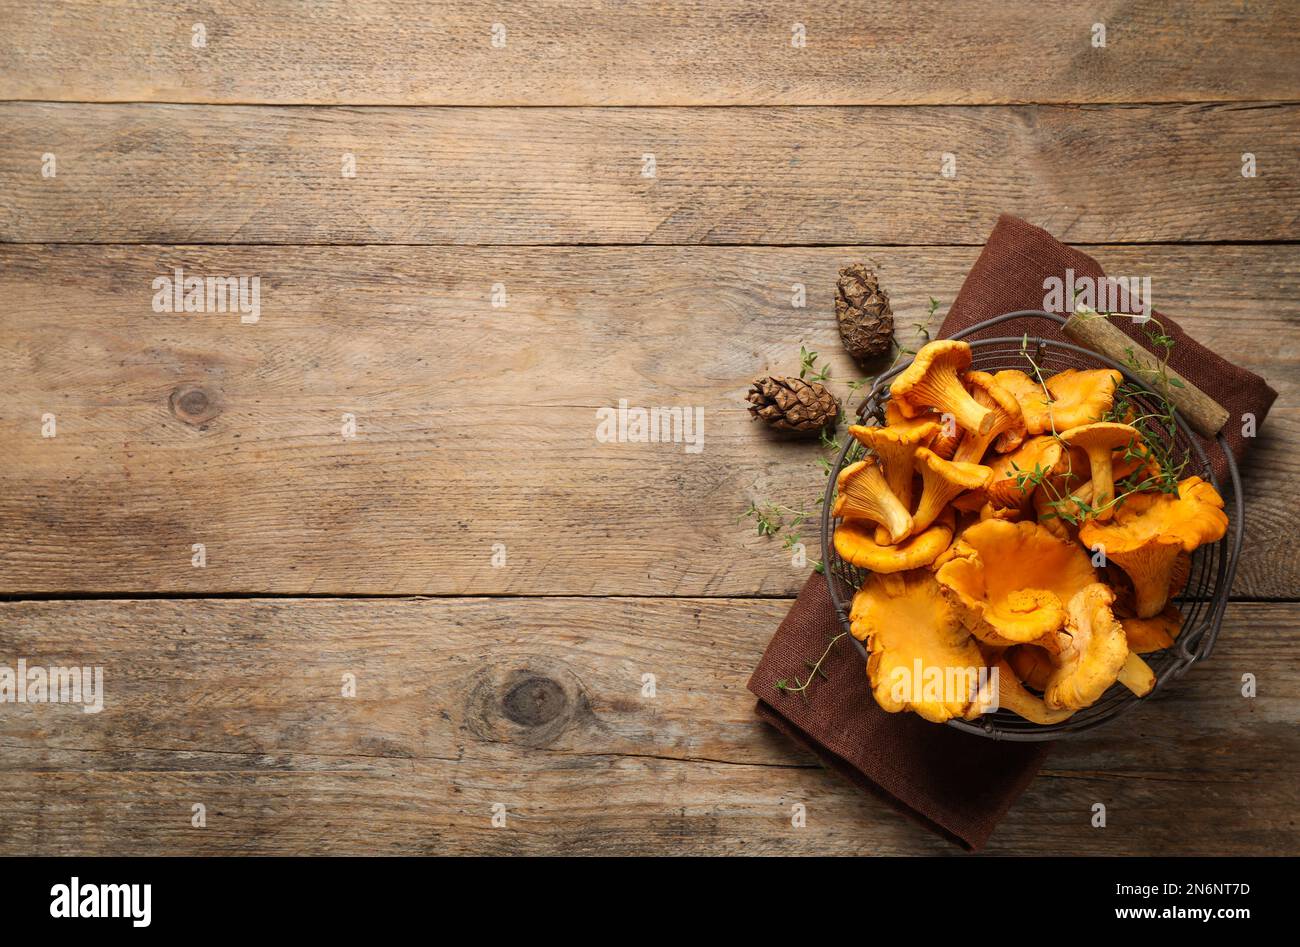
x=1202, y=600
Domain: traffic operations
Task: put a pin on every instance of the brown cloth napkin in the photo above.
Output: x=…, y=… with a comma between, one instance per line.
x=957, y=784
x=1009, y=276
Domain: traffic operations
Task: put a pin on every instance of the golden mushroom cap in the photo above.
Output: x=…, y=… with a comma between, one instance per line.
x=1102, y=436
x=943, y=442
x=1082, y=397
x=1153, y=634
x=1072, y=398
x=1014, y=579
x=932, y=381
x=907, y=626
x=1033, y=400
x=1093, y=651
x=1150, y=530
x=855, y=541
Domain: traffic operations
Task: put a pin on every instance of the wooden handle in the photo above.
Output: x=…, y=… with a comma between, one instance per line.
x=1205, y=415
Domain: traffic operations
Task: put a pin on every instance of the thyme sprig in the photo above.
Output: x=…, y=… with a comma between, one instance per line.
x=808, y=369
x=770, y=518
x=814, y=671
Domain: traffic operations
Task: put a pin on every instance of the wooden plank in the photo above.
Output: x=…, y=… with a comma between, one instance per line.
x=538, y=704
x=477, y=426
x=195, y=174
x=672, y=52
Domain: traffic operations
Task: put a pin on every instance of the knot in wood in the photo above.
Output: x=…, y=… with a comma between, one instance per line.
x=534, y=701
x=193, y=404
x=530, y=705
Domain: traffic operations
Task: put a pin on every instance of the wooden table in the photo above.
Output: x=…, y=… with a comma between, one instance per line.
x=495, y=580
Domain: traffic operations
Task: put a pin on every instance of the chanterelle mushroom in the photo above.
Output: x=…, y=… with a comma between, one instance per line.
x=1032, y=664
x=932, y=381
x=1071, y=487
x=944, y=441
x=1098, y=441
x=1015, y=474
x=1013, y=579
x=895, y=447
x=1008, y=421
x=1072, y=398
x=1030, y=395
x=1122, y=585
x=922, y=658
x=1150, y=530
x=1092, y=652
x=1137, y=675
x=855, y=541
x=1153, y=634
x=941, y=481
x=862, y=493
x=1081, y=397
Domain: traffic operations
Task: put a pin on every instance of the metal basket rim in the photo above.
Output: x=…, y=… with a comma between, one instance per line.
x=1193, y=645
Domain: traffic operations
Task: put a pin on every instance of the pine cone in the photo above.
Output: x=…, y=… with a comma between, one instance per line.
x=792, y=404
x=862, y=310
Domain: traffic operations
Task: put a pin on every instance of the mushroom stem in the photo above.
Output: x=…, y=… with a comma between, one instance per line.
x=1137, y=675
x=934, y=497
x=972, y=447
x=1008, y=426
x=947, y=393
x=1151, y=576
x=1084, y=492
x=1103, y=482
x=1097, y=441
x=863, y=493
x=941, y=481
x=898, y=477
x=1014, y=697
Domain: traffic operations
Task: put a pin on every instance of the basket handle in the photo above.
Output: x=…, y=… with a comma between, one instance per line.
x=1205, y=415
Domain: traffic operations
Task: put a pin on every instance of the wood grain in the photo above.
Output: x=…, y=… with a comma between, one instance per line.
x=255, y=175
x=476, y=425
x=680, y=52
x=538, y=704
